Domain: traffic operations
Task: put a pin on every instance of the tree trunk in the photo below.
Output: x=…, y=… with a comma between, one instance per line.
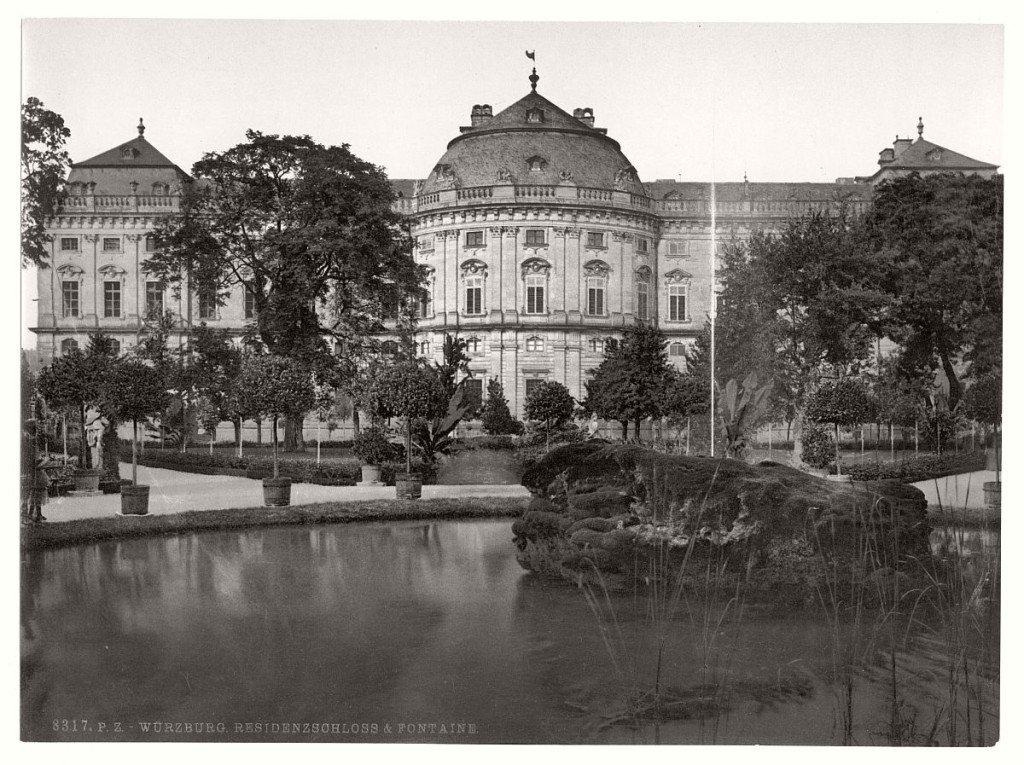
x=625, y=429
x=836, y=426
x=797, y=429
x=135, y=460
x=273, y=435
x=408, y=445
x=636, y=430
x=293, y=440
x=259, y=431
x=86, y=458
x=355, y=422
x=238, y=437
x=955, y=389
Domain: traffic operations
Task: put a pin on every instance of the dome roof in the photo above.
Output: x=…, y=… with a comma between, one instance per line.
x=533, y=142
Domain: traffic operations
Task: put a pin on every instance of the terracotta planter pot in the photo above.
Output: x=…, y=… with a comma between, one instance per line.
x=277, y=492
x=134, y=500
x=993, y=490
x=371, y=475
x=408, y=486
x=87, y=479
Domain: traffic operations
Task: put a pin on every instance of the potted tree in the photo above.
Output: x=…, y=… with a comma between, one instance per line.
x=372, y=447
x=277, y=386
x=74, y=383
x=410, y=390
x=845, y=402
x=135, y=391
x=984, y=403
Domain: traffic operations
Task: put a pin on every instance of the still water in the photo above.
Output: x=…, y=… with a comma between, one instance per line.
x=415, y=631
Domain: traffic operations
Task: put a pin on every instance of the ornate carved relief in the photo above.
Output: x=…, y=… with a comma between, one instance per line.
x=535, y=266
x=504, y=175
x=642, y=274
x=445, y=177
x=495, y=230
x=678, y=276
x=473, y=267
x=69, y=271
x=624, y=178
x=112, y=272
x=510, y=230
x=619, y=236
x=566, y=175
x=596, y=268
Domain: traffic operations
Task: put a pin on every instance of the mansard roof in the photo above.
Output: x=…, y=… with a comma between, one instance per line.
x=137, y=152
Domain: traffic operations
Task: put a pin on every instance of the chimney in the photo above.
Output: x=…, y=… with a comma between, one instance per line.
x=480, y=115
x=900, y=145
x=885, y=156
x=584, y=115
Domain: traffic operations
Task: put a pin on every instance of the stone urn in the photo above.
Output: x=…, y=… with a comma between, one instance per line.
x=87, y=479
x=371, y=475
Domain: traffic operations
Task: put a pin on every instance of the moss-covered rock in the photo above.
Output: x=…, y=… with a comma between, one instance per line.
x=624, y=513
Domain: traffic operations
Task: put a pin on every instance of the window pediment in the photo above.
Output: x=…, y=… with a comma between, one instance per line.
x=678, y=276
x=112, y=272
x=596, y=268
x=69, y=271
x=535, y=266
x=473, y=267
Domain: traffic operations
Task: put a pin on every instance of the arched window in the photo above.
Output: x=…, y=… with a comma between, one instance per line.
x=67, y=345
x=643, y=297
x=596, y=286
x=534, y=344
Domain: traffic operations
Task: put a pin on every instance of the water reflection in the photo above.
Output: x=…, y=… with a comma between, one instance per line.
x=409, y=623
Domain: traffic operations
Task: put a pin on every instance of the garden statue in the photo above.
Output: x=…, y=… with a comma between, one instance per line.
x=95, y=426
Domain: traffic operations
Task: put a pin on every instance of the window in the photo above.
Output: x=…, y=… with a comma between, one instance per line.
x=474, y=392
x=643, y=300
x=595, y=295
x=534, y=115
x=249, y=307
x=111, y=244
x=535, y=293
x=69, y=244
x=111, y=300
x=389, y=347
x=66, y=346
x=474, y=238
x=595, y=239
x=207, y=304
x=424, y=348
x=642, y=245
x=154, y=298
x=150, y=243
x=677, y=248
x=425, y=243
x=474, y=294
x=115, y=347
x=532, y=383
x=534, y=344
x=677, y=349
x=596, y=345
x=535, y=236
x=536, y=164
x=424, y=305
x=69, y=299
x=677, y=302
x=473, y=345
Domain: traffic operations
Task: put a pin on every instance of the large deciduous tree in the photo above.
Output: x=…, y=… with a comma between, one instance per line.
x=796, y=303
x=44, y=162
x=307, y=230
x=941, y=239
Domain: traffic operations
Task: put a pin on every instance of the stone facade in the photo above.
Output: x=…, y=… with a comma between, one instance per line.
x=539, y=236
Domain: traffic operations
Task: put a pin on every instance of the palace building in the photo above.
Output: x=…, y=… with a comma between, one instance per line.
x=540, y=238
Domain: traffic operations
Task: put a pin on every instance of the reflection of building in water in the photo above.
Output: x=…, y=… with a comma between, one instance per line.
x=540, y=237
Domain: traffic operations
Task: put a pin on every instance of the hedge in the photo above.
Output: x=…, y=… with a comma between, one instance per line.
x=917, y=468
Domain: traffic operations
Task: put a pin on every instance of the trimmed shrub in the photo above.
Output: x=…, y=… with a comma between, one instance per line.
x=819, y=448
x=918, y=468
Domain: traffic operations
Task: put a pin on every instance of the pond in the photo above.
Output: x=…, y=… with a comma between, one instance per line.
x=431, y=632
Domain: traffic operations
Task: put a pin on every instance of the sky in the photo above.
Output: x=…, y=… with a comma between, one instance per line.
x=777, y=102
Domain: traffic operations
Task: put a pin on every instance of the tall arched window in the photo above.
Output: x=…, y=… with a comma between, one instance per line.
x=535, y=272
x=474, y=274
x=596, y=282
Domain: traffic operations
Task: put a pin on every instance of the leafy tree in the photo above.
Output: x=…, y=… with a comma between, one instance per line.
x=134, y=391
x=846, y=402
x=797, y=303
x=74, y=382
x=984, y=402
x=410, y=390
x=44, y=162
x=435, y=435
x=242, y=400
x=631, y=382
x=940, y=238
x=819, y=449
x=308, y=230
x=496, y=416
x=275, y=387
x=214, y=362
x=550, y=403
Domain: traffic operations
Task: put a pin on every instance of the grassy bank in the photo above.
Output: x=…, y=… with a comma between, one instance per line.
x=48, y=535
